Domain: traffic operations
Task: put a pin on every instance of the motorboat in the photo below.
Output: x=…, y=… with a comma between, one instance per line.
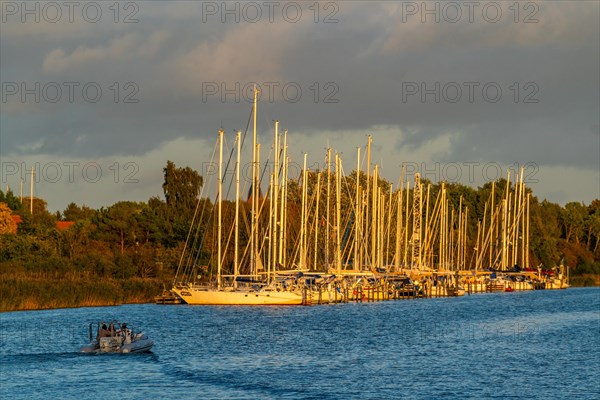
x=115, y=337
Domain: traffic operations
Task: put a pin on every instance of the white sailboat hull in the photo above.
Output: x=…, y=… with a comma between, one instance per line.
x=238, y=297
x=325, y=296
x=556, y=284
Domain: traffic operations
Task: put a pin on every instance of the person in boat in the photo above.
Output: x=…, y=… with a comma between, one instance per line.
x=123, y=331
x=111, y=329
x=104, y=331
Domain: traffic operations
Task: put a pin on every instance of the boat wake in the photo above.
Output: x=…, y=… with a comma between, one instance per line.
x=232, y=384
x=37, y=357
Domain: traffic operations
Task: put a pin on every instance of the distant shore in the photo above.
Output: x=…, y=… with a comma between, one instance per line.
x=21, y=293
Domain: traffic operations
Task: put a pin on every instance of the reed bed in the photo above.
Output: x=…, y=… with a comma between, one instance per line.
x=38, y=291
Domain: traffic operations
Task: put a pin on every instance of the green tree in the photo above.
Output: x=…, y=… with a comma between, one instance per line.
x=120, y=224
x=13, y=202
x=41, y=222
x=573, y=216
x=181, y=187
x=75, y=213
x=592, y=224
x=76, y=239
x=545, y=232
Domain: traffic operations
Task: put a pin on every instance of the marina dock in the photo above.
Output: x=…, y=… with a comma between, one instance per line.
x=328, y=237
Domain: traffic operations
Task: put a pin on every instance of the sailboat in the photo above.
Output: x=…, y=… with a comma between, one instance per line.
x=559, y=280
x=240, y=290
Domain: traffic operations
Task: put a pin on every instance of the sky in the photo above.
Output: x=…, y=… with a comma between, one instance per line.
x=97, y=96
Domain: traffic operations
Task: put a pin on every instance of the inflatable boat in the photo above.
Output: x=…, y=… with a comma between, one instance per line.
x=116, y=338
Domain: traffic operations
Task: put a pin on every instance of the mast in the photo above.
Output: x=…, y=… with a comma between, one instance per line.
x=447, y=234
x=399, y=218
x=510, y=225
x=220, y=207
x=523, y=216
x=303, y=217
x=505, y=213
x=443, y=217
x=31, y=190
x=366, y=238
x=271, y=230
x=375, y=200
x=355, y=263
x=282, y=217
x=520, y=215
x=236, y=266
x=318, y=195
x=338, y=206
x=379, y=221
x=254, y=224
x=527, y=234
x=460, y=234
x=451, y=241
x=276, y=230
x=406, y=223
x=399, y=221
x=328, y=207
x=376, y=226
x=492, y=227
x=478, y=244
x=464, y=248
x=284, y=220
x=257, y=244
x=381, y=225
x=388, y=226
x=504, y=244
x=424, y=258
x=517, y=216
x=416, y=234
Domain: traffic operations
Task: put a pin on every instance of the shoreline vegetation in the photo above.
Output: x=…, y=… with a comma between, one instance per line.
x=128, y=252
x=36, y=292
x=585, y=280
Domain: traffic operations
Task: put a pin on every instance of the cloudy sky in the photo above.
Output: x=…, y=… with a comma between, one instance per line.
x=97, y=96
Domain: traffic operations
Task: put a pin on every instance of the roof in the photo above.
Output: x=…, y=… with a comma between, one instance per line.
x=62, y=225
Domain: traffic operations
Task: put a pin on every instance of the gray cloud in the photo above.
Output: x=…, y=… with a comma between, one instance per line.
x=365, y=64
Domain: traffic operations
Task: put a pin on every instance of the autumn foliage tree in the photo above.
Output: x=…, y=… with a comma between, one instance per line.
x=7, y=224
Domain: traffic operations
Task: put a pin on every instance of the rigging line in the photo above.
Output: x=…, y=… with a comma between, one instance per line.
x=247, y=126
x=227, y=168
x=212, y=212
x=190, y=257
x=201, y=244
x=260, y=248
x=262, y=175
x=184, y=272
x=187, y=269
x=244, y=216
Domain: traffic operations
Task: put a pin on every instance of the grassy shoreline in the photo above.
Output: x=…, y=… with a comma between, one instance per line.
x=18, y=293
x=585, y=280
x=21, y=293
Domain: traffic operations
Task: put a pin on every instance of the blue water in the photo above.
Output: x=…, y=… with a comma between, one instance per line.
x=541, y=344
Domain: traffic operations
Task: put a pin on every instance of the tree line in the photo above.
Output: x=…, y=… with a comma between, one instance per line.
x=145, y=239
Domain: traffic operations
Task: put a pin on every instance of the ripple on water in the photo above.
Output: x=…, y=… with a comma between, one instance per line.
x=526, y=345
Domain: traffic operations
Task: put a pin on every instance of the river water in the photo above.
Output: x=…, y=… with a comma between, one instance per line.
x=538, y=344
